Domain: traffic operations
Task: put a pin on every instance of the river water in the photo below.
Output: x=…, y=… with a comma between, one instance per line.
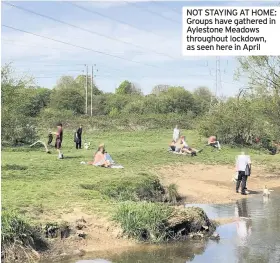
x=254, y=237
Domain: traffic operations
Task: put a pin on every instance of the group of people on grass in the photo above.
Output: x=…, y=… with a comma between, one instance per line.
x=100, y=158
x=59, y=136
x=179, y=144
x=243, y=161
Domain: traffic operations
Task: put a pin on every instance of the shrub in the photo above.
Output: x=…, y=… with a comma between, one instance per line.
x=18, y=129
x=144, y=221
x=19, y=240
x=235, y=122
x=172, y=194
x=156, y=222
x=144, y=187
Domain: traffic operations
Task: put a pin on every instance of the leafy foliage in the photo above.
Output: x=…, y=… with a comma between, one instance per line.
x=127, y=87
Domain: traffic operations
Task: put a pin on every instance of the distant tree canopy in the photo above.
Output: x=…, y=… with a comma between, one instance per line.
x=159, y=89
x=235, y=120
x=127, y=87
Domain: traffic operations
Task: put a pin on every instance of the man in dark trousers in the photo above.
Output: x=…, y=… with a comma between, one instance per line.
x=243, y=167
x=79, y=137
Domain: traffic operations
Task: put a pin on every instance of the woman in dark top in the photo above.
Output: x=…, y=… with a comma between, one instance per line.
x=79, y=138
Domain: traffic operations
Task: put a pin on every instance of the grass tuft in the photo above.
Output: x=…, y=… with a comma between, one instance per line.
x=158, y=222
x=144, y=221
x=19, y=240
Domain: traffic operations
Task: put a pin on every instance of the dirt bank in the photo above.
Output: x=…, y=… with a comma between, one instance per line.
x=213, y=184
x=97, y=235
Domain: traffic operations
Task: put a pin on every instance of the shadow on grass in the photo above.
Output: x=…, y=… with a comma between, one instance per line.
x=14, y=167
x=73, y=157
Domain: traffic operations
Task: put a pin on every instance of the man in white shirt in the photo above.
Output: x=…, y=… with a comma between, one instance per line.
x=243, y=167
x=176, y=134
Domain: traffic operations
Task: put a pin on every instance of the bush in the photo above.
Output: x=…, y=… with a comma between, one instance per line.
x=19, y=240
x=144, y=221
x=235, y=122
x=18, y=129
x=156, y=222
x=144, y=187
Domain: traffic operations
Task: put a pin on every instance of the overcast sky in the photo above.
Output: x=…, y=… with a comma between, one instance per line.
x=150, y=56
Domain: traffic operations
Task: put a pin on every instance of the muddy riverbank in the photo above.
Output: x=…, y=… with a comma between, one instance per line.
x=249, y=238
x=212, y=184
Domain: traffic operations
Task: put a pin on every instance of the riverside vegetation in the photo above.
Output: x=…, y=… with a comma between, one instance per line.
x=136, y=130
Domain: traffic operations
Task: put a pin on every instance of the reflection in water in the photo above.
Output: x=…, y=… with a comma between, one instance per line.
x=243, y=223
x=253, y=238
x=175, y=253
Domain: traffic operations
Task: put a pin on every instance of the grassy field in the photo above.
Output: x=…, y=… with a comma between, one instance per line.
x=36, y=183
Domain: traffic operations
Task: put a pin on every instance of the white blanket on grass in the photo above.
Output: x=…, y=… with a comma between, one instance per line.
x=114, y=166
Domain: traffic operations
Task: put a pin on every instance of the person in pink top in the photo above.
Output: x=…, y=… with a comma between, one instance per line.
x=99, y=158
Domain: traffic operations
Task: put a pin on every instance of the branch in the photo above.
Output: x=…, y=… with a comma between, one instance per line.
x=47, y=150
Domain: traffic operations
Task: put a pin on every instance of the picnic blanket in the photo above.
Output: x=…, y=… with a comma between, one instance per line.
x=108, y=158
x=114, y=166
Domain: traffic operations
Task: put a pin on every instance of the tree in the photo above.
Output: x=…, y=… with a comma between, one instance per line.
x=236, y=122
x=175, y=100
x=203, y=97
x=127, y=87
x=160, y=88
x=67, y=95
x=17, y=110
x=263, y=73
x=81, y=81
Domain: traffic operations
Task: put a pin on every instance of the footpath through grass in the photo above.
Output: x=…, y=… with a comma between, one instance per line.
x=37, y=183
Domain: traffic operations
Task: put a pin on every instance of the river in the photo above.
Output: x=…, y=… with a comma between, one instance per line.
x=254, y=237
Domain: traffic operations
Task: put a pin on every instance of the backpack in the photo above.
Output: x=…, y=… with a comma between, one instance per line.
x=247, y=170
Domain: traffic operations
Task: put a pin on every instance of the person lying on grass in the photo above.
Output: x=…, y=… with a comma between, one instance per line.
x=101, y=157
x=186, y=148
x=181, y=146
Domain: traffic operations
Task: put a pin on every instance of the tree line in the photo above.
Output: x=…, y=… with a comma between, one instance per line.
x=251, y=114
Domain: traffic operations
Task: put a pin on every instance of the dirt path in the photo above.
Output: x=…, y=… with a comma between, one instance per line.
x=213, y=183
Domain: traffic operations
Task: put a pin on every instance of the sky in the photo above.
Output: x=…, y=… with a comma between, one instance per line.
x=135, y=41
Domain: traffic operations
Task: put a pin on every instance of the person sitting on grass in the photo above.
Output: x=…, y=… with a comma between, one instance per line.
x=186, y=149
x=274, y=148
x=101, y=157
x=212, y=141
x=172, y=146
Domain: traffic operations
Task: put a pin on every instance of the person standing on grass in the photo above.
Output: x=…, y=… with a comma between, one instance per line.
x=79, y=137
x=176, y=134
x=243, y=167
x=50, y=138
x=58, y=140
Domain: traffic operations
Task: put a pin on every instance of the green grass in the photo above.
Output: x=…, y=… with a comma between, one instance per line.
x=37, y=184
x=144, y=220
